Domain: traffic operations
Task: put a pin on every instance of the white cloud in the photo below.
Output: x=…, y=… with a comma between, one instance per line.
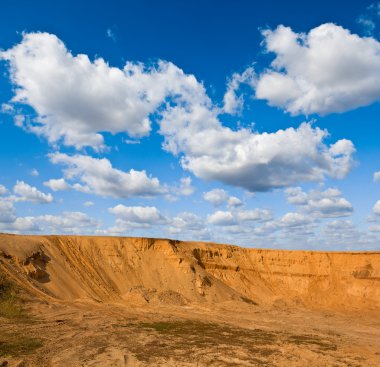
x=3, y=190
x=88, y=203
x=66, y=222
x=376, y=208
x=7, y=211
x=232, y=102
x=99, y=177
x=57, y=184
x=254, y=161
x=75, y=98
x=111, y=34
x=186, y=223
x=294, y=220
x=34, y=172
x=267, y=229
x=234, y=202
x=185, y=188
x=216, y=197
x=324, y=71
x=338, y=225
x=138, y=214
x=238, y=217
x=30, y=193
x=328, y=203
x=221, y=218
x=254, y=215
x=368, y=24
x=374, y=228
x=369, y=18
x=376, y=176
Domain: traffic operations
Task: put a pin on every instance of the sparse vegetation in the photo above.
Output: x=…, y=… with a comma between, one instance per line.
x=15, y=345
x=251, y=345
x=312, y=340
x=9, y=301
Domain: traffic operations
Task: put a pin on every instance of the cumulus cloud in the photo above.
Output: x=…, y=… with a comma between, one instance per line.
x=66, y=223
x=218, y=197
x=149, y=215
x=328, y=203
x=221, y=218
x=230, y=218
x=253, y=161
x=234, y=202
x=75, y=98
x=99, y=177
x=294, y=220
x=29, y=193
x=326, y=70
x=57, y=184
x=188, y=224
x=185, y=188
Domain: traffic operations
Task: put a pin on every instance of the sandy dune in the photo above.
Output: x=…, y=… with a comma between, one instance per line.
x=108, y=301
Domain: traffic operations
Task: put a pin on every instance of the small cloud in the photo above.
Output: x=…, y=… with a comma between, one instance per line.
x=3, y=190
x=111, y=34
x=88, y=203
x=369, y=18
x=376, y=176
x=131, y=142
x=7, y=108
x=367, y=23
x=34, y=172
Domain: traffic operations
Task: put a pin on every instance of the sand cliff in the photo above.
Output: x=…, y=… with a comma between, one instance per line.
x=159, y=271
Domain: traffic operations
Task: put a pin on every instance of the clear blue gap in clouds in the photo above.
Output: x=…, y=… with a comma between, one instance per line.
x=211, y=40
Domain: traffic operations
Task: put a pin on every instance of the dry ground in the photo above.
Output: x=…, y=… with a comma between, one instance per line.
x=72, y=301
x=229, y=334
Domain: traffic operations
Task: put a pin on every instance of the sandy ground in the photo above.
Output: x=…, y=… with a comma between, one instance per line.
x=227, y=334
x=110, y=301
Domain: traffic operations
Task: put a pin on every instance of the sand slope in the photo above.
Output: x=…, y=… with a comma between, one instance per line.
x=156, y=271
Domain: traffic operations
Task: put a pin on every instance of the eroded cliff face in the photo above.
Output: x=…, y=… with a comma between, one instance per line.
x=142, y=271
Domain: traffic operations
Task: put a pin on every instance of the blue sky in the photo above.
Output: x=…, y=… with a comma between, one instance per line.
x=253, y=123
